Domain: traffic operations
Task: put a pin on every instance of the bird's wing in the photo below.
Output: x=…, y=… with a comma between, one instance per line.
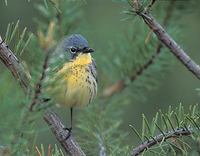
x=56, y=84
x=58, y=59
x=93, y=69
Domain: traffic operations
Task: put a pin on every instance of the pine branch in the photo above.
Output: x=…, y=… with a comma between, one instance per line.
x=11, y=62
x=181, y=121
x=38, y=85
x=169, y=42
x=159, y=138
x=120, y=85
x=57, y=127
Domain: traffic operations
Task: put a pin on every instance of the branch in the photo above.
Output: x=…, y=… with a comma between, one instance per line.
x=38, y=85
x=11, y=62
x=70, y=145
x=169, y=42
x=120, y=85
x=159, y=138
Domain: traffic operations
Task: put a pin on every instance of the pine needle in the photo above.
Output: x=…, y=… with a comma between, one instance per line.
x=7, y=33
x=45, y=3
x=155, y=120
x=177, y=121
x=160, y=129
x=165, y=122
x=14, y=31
x=147, y=124
x=6, y=2
x=136, y=132
x=170, y=123
x=21, y=39
x=193, y=122
x=27, y=42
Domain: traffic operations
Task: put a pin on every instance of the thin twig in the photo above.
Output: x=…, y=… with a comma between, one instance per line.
x=38, y=151
x=120, y=85
x=169, y=42
x=38, y=85
x=11, y=62
x=149, y=6
x=157, y=139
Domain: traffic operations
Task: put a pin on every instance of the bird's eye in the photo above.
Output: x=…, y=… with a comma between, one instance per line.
x=73, y=50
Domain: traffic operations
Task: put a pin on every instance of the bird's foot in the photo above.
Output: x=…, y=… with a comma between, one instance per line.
x=69, y=132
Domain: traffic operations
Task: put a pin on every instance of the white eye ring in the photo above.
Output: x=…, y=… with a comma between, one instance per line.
x=73, y=50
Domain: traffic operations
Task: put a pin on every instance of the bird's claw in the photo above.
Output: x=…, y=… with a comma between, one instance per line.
x=69, y=132
x=68, y=129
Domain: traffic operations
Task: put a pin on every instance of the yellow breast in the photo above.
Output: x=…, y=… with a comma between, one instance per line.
x=77, y=86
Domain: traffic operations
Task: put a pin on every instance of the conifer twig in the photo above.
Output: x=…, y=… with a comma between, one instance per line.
x=47, y=44
x=170, y=43
x=120, y=85
x=11, y=62
x=38, y=85
x=159, y=138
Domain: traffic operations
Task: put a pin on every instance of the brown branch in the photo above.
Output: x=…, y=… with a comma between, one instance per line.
x=159, y=138
x=120, y=85
x=169, y=42
x=70, y=145
x=11, y=62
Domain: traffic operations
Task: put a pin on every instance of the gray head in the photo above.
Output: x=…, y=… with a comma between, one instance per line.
x=76, y=44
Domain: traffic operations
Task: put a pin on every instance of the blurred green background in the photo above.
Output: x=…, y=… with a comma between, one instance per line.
x=104, y=23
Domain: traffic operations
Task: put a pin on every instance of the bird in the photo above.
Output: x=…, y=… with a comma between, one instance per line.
x=72, y=76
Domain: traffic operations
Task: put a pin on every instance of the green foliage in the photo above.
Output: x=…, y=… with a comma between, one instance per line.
x=57, y=11
x=169, y=122
x=22, y=135
x=50, y=152
x=18, y=40
x=129, y=54
x=102, y=130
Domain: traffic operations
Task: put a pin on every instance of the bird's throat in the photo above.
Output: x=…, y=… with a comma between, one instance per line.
x=83, y=59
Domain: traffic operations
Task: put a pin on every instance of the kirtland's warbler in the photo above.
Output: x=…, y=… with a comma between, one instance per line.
x=72, y=83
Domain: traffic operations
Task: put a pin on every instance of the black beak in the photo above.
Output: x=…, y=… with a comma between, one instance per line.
x=87, y=50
